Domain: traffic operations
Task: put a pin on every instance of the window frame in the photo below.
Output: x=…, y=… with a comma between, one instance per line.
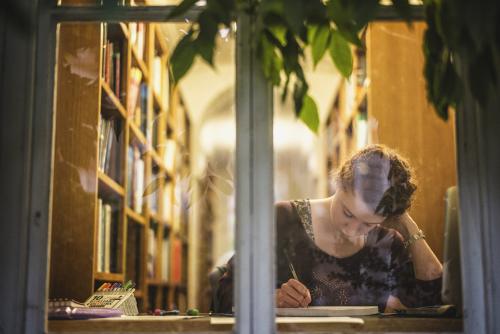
x=253, y=180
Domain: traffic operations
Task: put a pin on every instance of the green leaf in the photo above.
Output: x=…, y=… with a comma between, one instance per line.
x=183, y=56
x=152, y=187
x=279, y=32
x=341, y=54
x=271, y=62
x=294, y=14
x=299, y=92
x=320, y=43
x=205, y=42
x=309, y=114
x=183, y=7
x=344, y=18
x=311, y=32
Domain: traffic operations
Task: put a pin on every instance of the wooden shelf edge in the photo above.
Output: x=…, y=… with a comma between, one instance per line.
x=116, y=102
x=137, y=217
x=137, y=133
x=110, y=183
x=125, y=30
x=157, y=160
x=112, y=277
x=140, y=63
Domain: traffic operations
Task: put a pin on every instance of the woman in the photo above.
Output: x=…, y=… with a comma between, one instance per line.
x=346, y=250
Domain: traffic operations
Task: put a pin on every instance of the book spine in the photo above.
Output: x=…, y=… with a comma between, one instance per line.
x=107, y=238
x=100, y=237
x=176, y=275
x=117, y=74
x=139, y=185
x=165, y=258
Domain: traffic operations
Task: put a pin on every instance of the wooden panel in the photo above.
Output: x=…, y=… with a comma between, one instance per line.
x=152, y=324
x=75, y=161
x=406, y=121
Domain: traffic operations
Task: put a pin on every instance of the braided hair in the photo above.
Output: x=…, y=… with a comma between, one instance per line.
x=382, y=177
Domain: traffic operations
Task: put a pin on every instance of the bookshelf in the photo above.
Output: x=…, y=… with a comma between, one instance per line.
x=121, y=142
x=347, y=125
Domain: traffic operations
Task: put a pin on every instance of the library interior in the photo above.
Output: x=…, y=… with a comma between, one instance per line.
x=144, y=210
x=143, y=188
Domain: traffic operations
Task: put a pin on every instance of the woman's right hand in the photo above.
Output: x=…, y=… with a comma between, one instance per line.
x=293, y=294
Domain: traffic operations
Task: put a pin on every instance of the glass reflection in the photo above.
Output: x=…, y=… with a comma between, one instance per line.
x=143, y=192
x=353, y=227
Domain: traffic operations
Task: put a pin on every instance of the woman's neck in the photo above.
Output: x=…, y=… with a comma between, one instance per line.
x=327, y=233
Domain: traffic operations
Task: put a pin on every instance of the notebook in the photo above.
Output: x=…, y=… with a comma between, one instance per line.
x=327, y=311
x=296, y=320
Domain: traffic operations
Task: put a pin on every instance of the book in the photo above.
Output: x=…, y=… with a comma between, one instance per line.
x=176, y=266
x=327, y=311
x=100, y=237
x=133, y=93
x=151, y=253
x=296, y=320
x=55, y=303
x=67, y=313
x=107, y=238
x=165, y=257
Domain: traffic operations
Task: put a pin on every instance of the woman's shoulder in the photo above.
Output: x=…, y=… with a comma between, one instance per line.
x=286, y=211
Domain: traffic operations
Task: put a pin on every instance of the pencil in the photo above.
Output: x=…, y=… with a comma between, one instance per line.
x=290, y=265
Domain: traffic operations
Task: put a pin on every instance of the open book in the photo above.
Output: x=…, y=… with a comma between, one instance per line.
x=327, y=311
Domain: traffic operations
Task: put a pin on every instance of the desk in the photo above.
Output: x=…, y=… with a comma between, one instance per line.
x=373, y=324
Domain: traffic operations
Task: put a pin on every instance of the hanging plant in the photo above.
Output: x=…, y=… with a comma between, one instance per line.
x=286, y=29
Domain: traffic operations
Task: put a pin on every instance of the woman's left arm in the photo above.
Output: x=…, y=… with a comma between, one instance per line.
x=425, y=263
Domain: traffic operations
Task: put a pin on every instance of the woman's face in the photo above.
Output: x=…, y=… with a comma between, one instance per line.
x=351, y=215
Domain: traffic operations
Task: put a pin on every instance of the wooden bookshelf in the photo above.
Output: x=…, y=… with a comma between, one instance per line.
x=112, y=192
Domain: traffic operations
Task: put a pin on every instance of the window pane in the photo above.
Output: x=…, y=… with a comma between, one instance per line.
x=143, y=170
x=341, y=225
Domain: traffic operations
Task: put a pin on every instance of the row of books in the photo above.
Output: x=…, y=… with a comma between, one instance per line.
x=151, y=252
x=112, y=58
x=110, y=147
x=135, y=179
x=107, y=238
x=167, y=272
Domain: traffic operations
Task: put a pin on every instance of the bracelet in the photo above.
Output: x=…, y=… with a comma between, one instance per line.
x=417, y=236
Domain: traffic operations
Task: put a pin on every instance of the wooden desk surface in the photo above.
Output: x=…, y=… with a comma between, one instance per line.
x=374, y=324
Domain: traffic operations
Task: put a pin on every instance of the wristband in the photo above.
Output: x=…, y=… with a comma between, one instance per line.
x=417, y=236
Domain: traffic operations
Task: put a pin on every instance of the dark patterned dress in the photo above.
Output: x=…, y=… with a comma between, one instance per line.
x=381, y=268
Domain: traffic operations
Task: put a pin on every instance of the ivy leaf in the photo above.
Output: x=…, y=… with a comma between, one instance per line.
x=152, y=187
x=344, y=18
x=183, y=7
x=279, y=32
x=299, y=92
x=341, y=54
x=294, y=14
x=183, y=56
x=309, y=114
x=271, y=62
x=205, y=42
x=320, y=43
x=311, y=32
